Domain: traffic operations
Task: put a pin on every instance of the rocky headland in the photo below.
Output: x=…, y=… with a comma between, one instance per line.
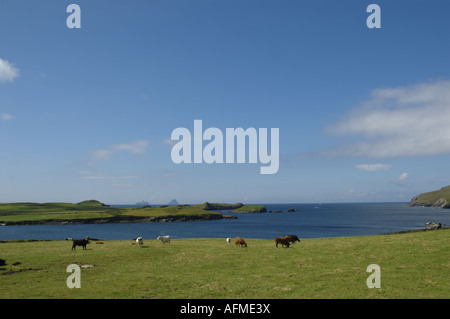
x=437, y=199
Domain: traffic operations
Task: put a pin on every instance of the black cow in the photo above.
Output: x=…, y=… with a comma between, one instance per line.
x=80, y=242
x=292, y=238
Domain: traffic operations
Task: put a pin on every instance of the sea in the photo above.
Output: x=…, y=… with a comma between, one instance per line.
x=314, y=220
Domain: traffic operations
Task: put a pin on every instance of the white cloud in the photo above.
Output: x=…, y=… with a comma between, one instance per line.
x=102, y=154
x=405, y=121
x=403, y=177
x=169, y=142
x=136, y=147
x=8, y=72
x=373, y=167
x=6, y=117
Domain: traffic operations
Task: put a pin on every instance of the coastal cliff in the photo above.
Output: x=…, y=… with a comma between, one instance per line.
x=437, y=199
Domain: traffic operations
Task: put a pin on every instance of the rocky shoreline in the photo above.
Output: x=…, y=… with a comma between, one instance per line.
x=122, y=219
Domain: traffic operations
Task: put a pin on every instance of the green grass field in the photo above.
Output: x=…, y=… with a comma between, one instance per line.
x=413, y=265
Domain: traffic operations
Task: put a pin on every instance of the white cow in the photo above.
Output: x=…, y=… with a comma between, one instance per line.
x=164, y=239
x=228, y=240
x=140, y=241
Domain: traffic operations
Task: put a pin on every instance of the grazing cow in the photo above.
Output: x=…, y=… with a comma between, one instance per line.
x=228, y=240
x=238, y=241
x=80, y=242
x=283, y=241
x=292, y=238
x=431, y=225
x=140, y=241
x=164, y=239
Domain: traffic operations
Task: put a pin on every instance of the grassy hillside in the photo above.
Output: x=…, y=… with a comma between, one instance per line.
x=20, y=212
x=439, y=198
x=413, y=265
x=11, y=208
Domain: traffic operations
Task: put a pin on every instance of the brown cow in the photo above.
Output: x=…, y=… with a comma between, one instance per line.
x=283, y=241
x=238, y=241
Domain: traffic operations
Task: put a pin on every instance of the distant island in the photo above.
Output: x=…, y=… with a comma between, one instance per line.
x=142, y=203
x=173, y=202
x=438, y=199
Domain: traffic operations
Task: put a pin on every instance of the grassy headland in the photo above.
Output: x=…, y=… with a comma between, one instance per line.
x=439, y=198
x=93, y=211
x=413, y=265
x=218, y=206
x=251, y=209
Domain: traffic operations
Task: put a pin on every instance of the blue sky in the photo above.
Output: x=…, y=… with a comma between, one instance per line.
x=88, y=113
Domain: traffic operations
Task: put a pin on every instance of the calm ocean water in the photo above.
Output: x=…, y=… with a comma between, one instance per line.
x=312, y=221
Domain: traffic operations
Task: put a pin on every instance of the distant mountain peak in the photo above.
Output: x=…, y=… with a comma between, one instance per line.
x=173, y=202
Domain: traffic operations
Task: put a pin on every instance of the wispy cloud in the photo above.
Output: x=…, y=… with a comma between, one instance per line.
x=373, y=167
x=403, y=181
x=169, y=142
x=136, y=147
x=113, y=180
x=394, y=122
x=8, y=72
x=6, y=116
x=100, y=176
